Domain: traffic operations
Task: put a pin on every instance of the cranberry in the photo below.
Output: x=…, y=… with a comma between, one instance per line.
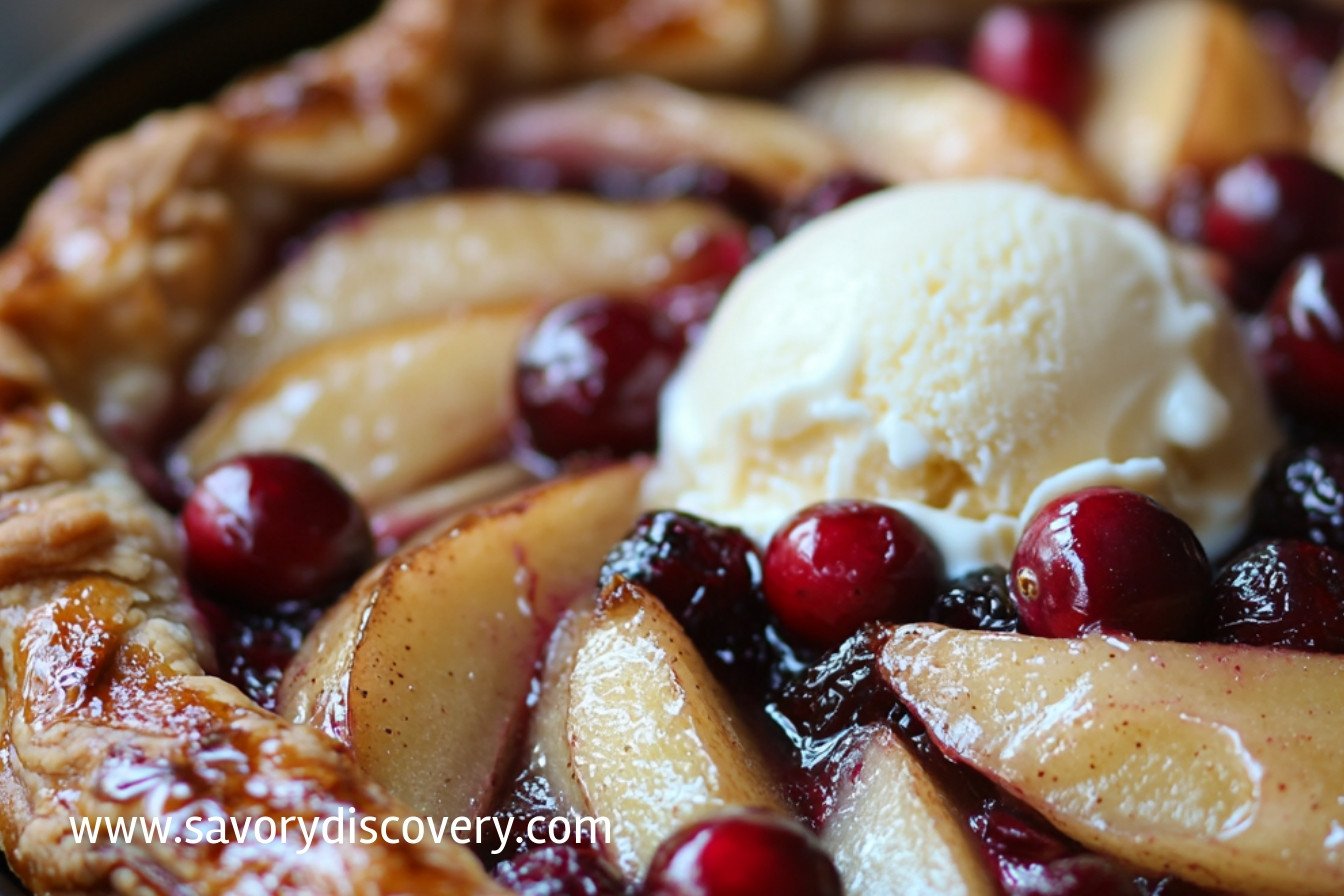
x=837, y=565
x=708, y=576
x=841, y=692
x=1282, y=593
x=1301, y=495
x=1268, y=209
x=589, y=377
x=1304, y=352
x=559, y=870
x=981, y=600
x=744, y=853
x=253, y=650
x=1112, y=560
x=701, y=281
x=837, y=190
x=273, y=531
x=1036, y=54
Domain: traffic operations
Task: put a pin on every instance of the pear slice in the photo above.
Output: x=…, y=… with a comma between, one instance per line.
x=1327, y=119
x=1183, y=83
x=451, y=254
x=912, y=123
x=1218, y=764
x=424, y=669
x=418, y=516
x=385, y=410
x=893, y=832
x=654, y=741
x=646, y=124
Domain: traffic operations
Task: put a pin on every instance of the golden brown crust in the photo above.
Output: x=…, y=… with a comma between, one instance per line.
x=107, y=713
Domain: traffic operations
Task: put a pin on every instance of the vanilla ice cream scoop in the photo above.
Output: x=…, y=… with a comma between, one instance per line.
x=967, y=351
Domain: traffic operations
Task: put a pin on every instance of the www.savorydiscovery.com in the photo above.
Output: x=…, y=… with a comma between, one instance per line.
x=340, y=829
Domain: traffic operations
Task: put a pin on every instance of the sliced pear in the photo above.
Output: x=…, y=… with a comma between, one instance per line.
x=1183, y=83
x=385, y=410
x=1327, y=119
x=912, y=123
x=418, y=516
x=654, y=741
x=642, y=123
x=451, y=254
x=1218, y=764
x=893, y=832
x=424, y=669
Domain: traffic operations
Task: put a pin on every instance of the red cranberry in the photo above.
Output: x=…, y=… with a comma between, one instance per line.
x=273, y=530
x=837, y=190
x=709, y=577
x=1036, y=54
x=980, y=600
x=836, y=565
x=1268, y=209
x=1282, y=593
x=589, y=377
x=1304, y=352
x=694, y=180
x=559, y=870
x=701, y=281
x=745, y=853
x=1301, y=495
x=1111, y=560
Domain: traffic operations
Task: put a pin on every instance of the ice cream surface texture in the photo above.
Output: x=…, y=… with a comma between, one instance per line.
x=967, y=351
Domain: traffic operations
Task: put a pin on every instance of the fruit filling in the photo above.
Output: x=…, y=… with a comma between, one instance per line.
x=847, y=490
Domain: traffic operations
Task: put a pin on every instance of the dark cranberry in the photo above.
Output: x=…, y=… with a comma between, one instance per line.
x=589, y=377
x=982, y=600
x=559, y=870
x=837, y=190
x=1112, y=560
x=253, y=650
x=839, y=564
x=708, y=576
x=1036, y=54
x=1268, y=209
x=1304, y=351
x=701, y=280
x=745, y=853
x=841, y=692
x=1282, y=593
x=1301, y=495
x=273, y=530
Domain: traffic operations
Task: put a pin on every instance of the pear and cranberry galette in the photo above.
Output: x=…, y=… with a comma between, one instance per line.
x=846, y=446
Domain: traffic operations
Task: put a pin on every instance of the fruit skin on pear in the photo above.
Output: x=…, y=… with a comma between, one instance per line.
x=1218, y=764
x=654, y=740
x=894, y=833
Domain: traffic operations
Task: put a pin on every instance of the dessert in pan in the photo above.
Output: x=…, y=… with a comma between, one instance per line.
x=850, y=447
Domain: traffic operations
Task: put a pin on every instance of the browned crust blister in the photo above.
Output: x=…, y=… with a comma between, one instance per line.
x=122, y=268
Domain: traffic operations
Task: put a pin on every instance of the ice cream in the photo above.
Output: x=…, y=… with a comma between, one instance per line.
x=966, y=351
